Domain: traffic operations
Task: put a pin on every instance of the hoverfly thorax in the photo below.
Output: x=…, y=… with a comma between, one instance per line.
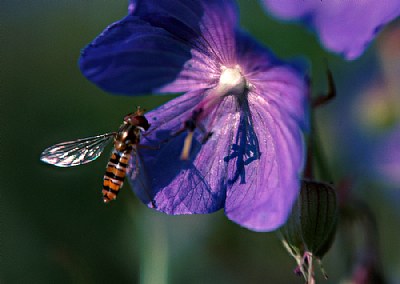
x=130, y=130
x=126, y=136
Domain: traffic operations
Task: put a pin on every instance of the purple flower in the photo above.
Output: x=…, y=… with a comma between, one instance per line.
x=344, y=26
x=233, y=140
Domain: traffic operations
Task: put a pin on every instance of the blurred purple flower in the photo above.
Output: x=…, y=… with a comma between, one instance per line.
x=387, y=157
x=344, y=27
x=237, y=125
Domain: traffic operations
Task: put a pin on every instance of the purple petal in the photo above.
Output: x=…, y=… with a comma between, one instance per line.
x=265, y=171
x=131, y=56
x=197, y=185
x=345, y=27
x=191, y=19
x=163, y=46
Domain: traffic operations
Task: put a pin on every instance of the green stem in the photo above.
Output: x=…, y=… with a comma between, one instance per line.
x=310, y=276
x=315, y=145
x=318, y=153
x=154, y=268
x=153, y=239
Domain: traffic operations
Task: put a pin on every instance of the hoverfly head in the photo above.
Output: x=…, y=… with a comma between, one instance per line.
x=137, y=119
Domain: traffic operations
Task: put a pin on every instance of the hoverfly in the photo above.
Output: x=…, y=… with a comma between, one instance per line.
x=85, y=150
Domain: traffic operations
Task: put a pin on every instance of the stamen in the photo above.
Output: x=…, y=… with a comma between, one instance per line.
x=186, y=146
x=190, y=125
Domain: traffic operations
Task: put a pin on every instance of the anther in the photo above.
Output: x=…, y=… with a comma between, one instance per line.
x=186, y=146
x=190, y=125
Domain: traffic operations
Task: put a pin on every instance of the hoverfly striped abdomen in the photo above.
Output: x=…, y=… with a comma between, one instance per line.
x=115, y=174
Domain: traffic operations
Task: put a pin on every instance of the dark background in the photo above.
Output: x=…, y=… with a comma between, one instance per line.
x=54, y=226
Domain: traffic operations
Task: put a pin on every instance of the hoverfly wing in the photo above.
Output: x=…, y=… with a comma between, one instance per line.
x=77, y=152
x=138, y=178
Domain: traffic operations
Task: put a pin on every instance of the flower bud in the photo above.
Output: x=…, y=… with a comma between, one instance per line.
x=318, y=216
x=311, y=227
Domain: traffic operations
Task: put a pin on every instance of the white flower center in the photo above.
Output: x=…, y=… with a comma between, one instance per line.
x=231, y=81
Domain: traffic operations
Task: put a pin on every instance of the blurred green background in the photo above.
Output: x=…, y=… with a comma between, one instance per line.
x=54, y=226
